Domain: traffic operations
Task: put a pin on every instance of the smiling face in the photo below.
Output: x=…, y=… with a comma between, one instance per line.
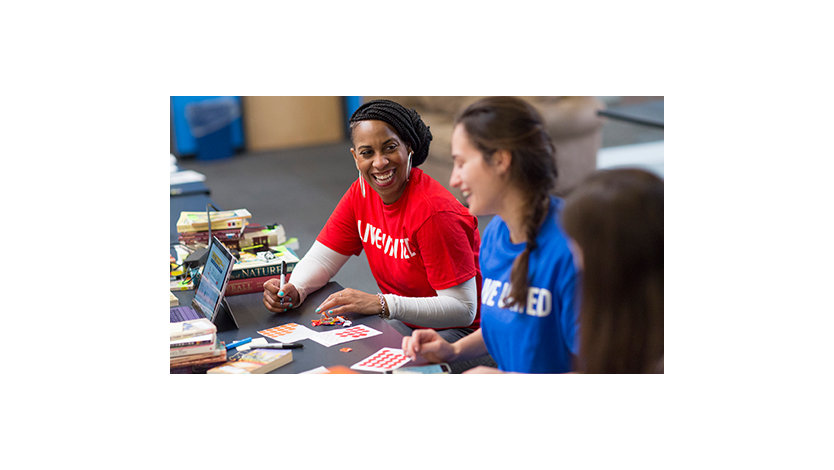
x=480, y=182
x=382, y=158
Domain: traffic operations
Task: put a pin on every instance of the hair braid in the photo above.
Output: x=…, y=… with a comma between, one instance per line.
x=536, y=211
x=406, y=122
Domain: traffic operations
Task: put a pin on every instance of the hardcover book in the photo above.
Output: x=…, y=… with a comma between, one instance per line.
x=251, y=266
x=250, y=285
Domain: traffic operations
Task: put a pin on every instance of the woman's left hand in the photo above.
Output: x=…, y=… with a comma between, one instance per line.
x=350, y=301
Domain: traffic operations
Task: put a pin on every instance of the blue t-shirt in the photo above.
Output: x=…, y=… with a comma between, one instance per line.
x=539, y=336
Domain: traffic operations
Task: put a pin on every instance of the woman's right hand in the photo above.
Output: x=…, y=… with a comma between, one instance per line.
x=279, y=300
x=428, y=344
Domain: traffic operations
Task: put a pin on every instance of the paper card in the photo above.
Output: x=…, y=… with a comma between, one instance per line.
x=288, y=333
x=343, y=335
x=252, y=344
x=382, y=360
x=317, y=370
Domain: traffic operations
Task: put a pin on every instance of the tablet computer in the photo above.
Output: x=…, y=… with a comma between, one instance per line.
x=214, y=279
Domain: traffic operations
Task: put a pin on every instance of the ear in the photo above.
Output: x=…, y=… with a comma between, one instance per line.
x=502, y=159
x=355, y=158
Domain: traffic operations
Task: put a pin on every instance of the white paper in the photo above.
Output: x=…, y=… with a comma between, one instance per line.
x=343, y=335
x=252, y=344
x=187, y=176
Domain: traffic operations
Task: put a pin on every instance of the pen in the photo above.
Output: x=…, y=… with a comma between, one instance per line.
x=238, y=343
x=280, y=346
x=283, y=274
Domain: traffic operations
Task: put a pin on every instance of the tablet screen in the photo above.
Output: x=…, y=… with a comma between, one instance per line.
x=215, y=272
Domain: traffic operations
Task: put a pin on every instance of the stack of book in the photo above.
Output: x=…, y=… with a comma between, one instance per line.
x=256, y=237
x=251, y=272
x=227, y=226
x=194, y=346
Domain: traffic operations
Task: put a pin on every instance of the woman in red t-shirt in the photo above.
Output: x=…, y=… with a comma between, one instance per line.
x=421, y=243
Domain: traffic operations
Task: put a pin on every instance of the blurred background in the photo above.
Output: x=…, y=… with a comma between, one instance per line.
x=287, y=159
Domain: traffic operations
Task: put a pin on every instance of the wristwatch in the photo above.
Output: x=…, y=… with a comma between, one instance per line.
x=385, y=314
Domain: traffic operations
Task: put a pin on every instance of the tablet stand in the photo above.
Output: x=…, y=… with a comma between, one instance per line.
x=224, y=318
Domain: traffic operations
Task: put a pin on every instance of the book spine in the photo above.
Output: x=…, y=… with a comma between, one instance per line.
x=261, y=271
x=249, y=285
x=189, y=334
x=215, y=225
x=179, y=352
x=184, y=343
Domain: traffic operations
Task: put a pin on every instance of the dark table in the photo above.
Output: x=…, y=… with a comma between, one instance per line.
x=252, y=317
x=649, y=113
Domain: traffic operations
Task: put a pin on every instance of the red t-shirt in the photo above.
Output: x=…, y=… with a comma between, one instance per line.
x=424, y=242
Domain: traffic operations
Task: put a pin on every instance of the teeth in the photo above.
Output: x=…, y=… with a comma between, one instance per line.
x=384, y=178
x=466, y=193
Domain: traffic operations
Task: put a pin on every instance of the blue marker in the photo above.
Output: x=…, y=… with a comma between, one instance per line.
x=238, y=343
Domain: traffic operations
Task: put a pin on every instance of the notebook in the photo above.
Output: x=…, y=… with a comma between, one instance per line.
x=184, y=313
x=213, y=282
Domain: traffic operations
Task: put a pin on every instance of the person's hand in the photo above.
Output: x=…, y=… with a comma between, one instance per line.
x=483, y=370
x=279, y=300
x=350, y=300
x=428, y=344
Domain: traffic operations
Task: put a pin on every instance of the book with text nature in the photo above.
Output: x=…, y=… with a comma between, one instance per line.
x=253, y=266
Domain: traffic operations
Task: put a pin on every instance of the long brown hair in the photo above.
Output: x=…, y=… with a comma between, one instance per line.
x=616, y=218
x=512, y=124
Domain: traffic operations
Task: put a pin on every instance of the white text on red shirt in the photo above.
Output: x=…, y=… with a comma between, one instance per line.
x=394, y=247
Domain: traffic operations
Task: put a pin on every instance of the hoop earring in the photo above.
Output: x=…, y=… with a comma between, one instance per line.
x=408, y=170
x=362, y=184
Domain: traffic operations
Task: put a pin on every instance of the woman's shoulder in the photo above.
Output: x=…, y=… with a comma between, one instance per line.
x=552, y=234
x=433, y=196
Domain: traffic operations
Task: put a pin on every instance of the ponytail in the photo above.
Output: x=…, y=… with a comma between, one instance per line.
x=536, y=211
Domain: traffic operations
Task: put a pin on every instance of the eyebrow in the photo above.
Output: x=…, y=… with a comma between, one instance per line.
x=384, y=143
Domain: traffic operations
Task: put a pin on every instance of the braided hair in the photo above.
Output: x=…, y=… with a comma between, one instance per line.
x=406, y=122
x=512, y=124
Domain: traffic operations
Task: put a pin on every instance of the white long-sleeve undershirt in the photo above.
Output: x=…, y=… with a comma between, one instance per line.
x=455, y=306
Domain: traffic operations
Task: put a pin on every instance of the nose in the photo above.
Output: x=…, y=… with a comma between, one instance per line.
x=380, y=161
x=454, y=180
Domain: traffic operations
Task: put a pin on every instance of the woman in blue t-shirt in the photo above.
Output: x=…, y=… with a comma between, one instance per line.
x=504, y=164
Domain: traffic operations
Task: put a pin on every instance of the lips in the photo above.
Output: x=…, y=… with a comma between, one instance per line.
x=384, y=178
